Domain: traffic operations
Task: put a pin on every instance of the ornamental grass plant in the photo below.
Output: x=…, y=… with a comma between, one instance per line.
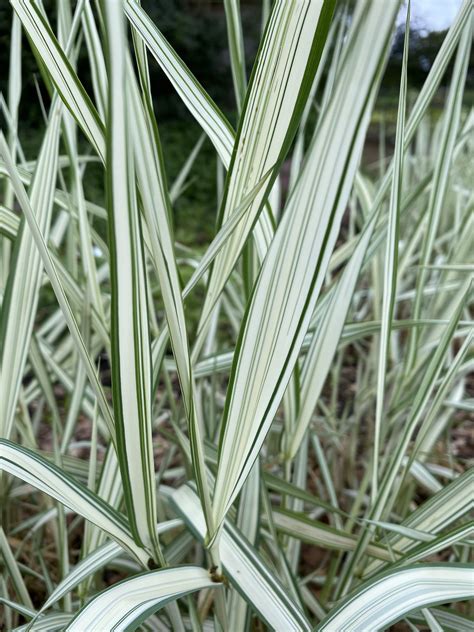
x=295, y=456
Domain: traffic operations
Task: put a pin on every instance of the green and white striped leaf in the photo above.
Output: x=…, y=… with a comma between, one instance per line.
x=96, y=60
x=440, y=177
x=60, y=71
x=281, y=307
x=196, y=99
x=130, y=602
x=441, y=510
x=280, y=486
x=385, y=498
x=156, y=208
x=419, y=404
x=26, y=612
x=194, y=96
x=47, y=477
x=24, y=281
x=305, y=529
x=422, y=102
x=131, y=356
x=436, y=544
x=436, y=514
x=389, y=597
x=248, y=524
x=235, y=38
x=451, y=621
x=391, y=259
x=325, y=340
x=94, y=562
x=222, y=237
x=55, y=621
x=14, y=572
x=280, y=84
x=56, y=283
x=9, y=223
x=11, y=113
x=245, y=568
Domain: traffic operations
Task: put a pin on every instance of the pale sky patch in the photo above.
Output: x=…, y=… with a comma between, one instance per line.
x=431, y=15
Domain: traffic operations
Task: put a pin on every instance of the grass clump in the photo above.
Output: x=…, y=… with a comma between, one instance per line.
x=236, y=394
